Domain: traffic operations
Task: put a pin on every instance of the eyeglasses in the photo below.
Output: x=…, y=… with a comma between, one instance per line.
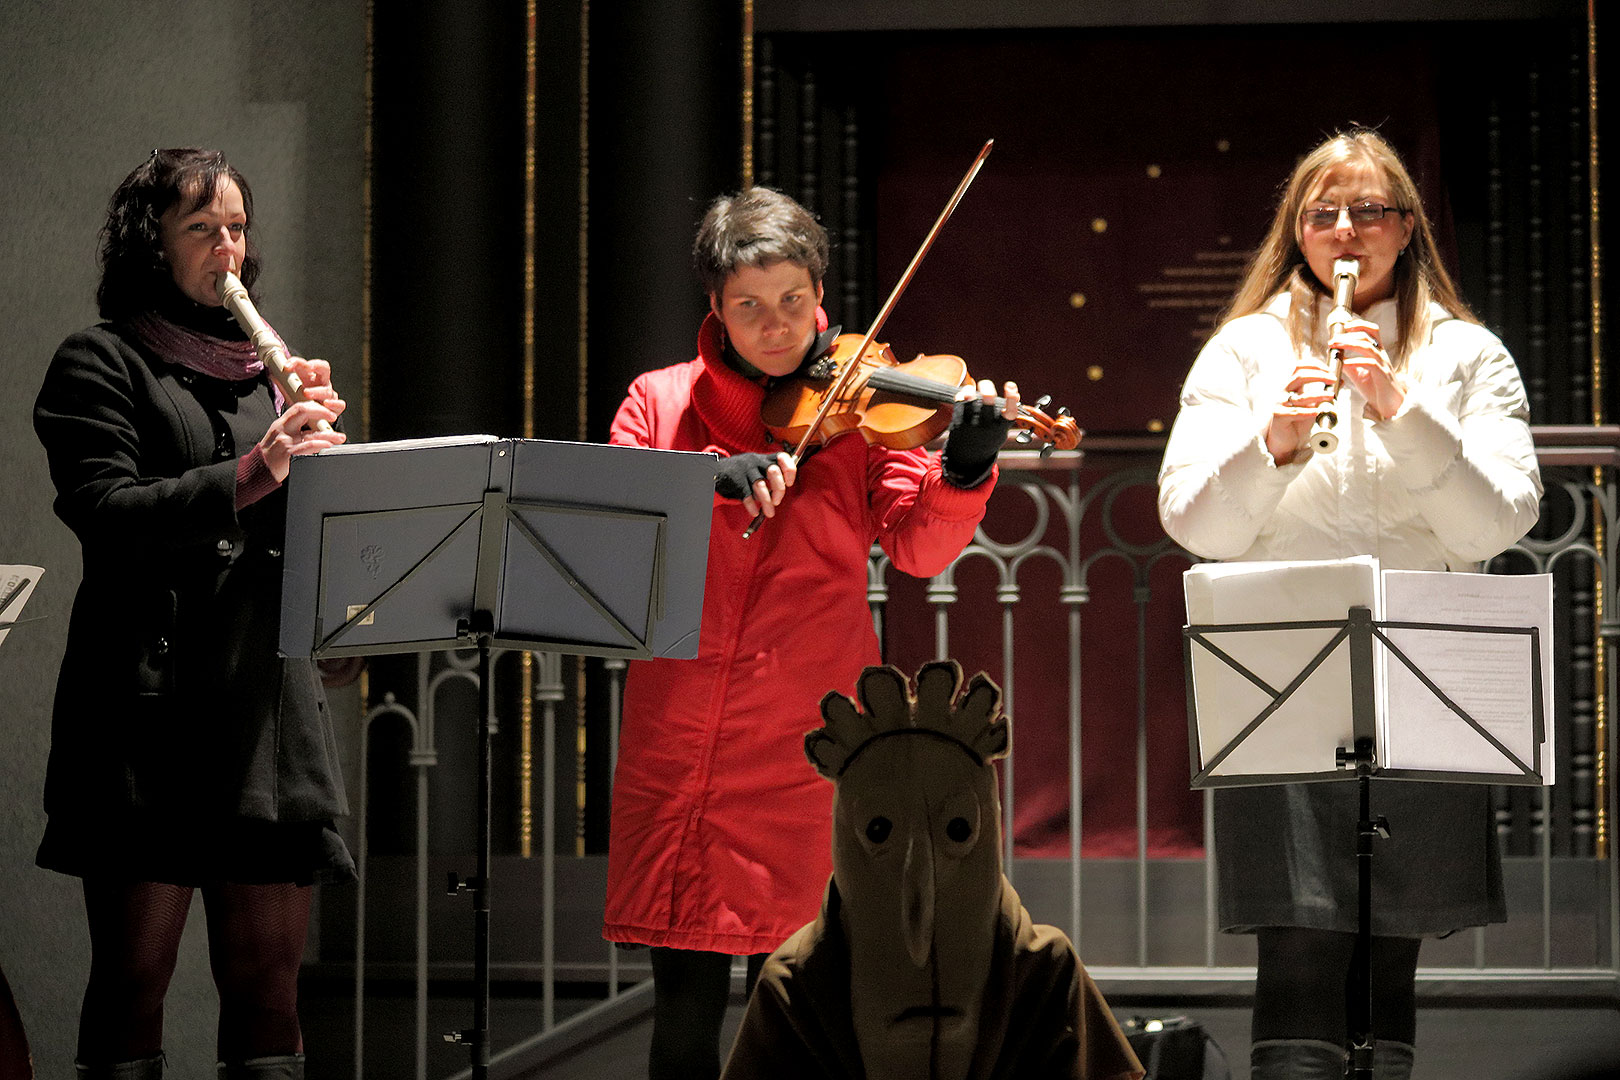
x=1325, y=217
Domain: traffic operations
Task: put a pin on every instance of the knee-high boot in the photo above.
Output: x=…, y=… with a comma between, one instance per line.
x=1392, y=1060
x=1296, y=1059
x=281, y=1067
x=145, y=1069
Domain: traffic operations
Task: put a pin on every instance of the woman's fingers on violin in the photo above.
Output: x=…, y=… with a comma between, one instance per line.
x=984, y=388
x=789, y=469
x=759, y=501
x=1010, y=400
x=773, y=487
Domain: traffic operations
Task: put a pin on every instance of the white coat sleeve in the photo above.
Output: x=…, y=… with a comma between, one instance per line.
x=1218, y=485
x=1464, y=452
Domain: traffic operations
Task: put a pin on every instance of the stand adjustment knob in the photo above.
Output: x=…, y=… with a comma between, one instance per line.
x=457, y=884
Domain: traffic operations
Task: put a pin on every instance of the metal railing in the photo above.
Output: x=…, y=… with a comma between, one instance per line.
x=1071, y=506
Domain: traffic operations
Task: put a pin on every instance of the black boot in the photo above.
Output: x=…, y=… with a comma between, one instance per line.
x=1296, y=1059
x=281, y=1067
x=145, y=1069
x=1392, y=1060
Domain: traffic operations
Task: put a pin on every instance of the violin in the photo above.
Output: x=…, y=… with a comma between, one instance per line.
x=882, y=399
x=898, y=405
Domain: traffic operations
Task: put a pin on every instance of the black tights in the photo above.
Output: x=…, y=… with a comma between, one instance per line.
x=1302, y=990
x=255, y=944
x=690, y=994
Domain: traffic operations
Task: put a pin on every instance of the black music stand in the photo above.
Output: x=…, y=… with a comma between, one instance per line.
x=473, y=541
x=16, y=585
x=1358, y=633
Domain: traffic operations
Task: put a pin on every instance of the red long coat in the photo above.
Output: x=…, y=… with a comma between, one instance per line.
x=721, y=834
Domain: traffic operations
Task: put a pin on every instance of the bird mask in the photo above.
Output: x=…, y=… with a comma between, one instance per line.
x=916, y=861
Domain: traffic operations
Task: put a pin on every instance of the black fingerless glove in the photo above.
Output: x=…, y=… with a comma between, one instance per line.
x=734, y=476
x=977, y=433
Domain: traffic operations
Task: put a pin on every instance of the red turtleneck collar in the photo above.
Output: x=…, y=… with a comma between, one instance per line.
x=726, y=400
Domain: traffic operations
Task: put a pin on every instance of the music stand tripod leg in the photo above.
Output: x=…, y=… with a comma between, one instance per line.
x=480, y=630
x=1360, y=998
x=1364, y=756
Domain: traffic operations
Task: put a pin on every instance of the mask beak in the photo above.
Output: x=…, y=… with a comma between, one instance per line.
x=917, y=898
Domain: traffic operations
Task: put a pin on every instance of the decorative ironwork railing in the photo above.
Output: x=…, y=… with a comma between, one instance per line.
x=1141, y=908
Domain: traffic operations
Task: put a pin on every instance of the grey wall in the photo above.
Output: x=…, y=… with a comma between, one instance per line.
x=86, y=90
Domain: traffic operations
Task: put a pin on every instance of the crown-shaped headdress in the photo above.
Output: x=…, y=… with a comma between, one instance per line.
x=972, y=721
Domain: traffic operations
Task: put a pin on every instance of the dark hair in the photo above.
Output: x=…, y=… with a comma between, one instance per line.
x=756, y=227
x=134, y=275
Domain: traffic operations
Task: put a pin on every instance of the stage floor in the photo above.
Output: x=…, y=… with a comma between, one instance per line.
x=1578, y=1041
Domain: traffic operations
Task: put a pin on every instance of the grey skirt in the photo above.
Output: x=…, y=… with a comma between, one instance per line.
x=196, y=850
x=1286, y=856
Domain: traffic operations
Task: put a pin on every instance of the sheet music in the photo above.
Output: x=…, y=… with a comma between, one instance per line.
x=1302, y=734
x=409, y=444
x=1487, y=675
x=16, y=586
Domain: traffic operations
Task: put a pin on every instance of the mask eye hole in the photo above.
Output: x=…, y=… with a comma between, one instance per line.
x=958, y=829
x=878, y=829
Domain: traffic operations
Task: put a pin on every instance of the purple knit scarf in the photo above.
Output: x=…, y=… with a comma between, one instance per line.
x=202, y=353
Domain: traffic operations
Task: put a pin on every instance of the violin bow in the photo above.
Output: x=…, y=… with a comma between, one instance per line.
x=840, y=385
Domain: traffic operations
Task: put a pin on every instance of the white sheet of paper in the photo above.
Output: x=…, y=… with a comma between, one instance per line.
x=409, y=444
x=1302, y=735
x=16, y=586
x=1487, y=675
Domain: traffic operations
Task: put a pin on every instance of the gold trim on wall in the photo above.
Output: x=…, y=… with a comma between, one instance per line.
x=583, y=373
x=747, y=93
x=1600, y=667
x=526, y=709
x=365, y=234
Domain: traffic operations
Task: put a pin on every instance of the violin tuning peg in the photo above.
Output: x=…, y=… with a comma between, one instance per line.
x=1043, y=401
x=1046, y=450
x=1024, y=438
x=1064, y=411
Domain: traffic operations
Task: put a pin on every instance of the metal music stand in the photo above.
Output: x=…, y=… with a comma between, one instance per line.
x=16, y=585
x=473, y=541
x=1357, y=632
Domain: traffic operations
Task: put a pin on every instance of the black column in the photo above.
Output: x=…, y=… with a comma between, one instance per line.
x=664, y=139
x=447, y=220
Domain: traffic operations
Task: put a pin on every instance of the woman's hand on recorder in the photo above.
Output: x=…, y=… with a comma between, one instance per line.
x=1366, y=366
x=311, y=373
x=1308, y=389
x=293, y=432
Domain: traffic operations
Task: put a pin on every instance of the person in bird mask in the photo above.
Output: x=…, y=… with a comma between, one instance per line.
x=923, y=962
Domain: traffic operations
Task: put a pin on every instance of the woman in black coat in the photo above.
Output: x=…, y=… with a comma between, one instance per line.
x=185, y=754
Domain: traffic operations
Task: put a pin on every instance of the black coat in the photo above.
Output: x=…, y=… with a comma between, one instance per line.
x=172, y=698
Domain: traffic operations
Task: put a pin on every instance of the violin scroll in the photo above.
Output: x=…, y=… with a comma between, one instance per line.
x=1055, y=432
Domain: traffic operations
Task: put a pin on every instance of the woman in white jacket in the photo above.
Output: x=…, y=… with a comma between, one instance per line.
x=1434, y=470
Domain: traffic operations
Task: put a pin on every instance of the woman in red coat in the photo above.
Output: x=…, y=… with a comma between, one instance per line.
x=721, y=835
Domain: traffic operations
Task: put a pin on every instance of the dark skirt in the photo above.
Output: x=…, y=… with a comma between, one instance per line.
x=1286, y=856
x=148, y=846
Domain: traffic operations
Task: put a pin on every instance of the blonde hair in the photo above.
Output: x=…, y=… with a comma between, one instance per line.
x=1279, y=264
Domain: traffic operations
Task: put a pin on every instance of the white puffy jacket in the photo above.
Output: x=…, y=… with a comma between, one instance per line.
x=1447, y=482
